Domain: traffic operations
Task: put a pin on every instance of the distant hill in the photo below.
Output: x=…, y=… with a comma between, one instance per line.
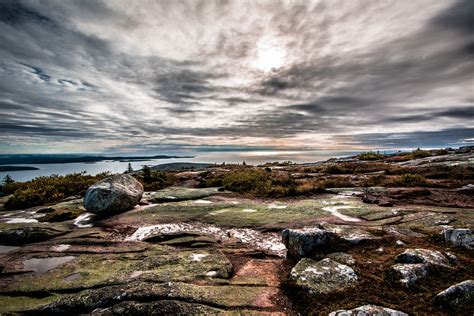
x=48, y=159
x=176, y=166
x=16, y=168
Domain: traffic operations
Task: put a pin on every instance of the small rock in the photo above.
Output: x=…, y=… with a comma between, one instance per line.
x=408, y=274
x=380, y=249
x=432, y=258
x=305, y=242
x=385, y=204
x=459, y=237
x=368, y=310
x=400, y=243
x=114, y=194
x=370, y=199
x=457, y=296
x=321, y=277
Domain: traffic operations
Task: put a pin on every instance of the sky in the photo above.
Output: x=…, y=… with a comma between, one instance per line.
x=180, y=76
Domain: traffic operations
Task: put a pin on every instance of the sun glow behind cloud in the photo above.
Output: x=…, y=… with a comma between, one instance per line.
x=270, y=54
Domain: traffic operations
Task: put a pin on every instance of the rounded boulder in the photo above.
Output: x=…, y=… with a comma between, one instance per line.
x=113, y=195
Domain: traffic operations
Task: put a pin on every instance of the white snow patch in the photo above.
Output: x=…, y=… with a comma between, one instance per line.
x=267, y=242
x=198, y=256
x=61, y=247
x=19, y=220
x=248, y=210
x=203, y=202
x=219, y=212
x=84, y=220
x=334, y=210
x=278, y=207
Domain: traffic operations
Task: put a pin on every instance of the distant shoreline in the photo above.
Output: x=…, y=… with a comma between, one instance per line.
x=16, y=168
x=55, y=159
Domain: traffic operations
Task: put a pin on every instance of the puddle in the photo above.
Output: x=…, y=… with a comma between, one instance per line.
x=43, y=265
x=84, y=220
x=334, y=210
x=268, y=242
x=4, y=249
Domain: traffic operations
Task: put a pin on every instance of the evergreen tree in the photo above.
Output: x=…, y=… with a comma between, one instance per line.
x=7, y=180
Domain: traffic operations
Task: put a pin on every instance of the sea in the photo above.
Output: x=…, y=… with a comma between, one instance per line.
x=115, y=166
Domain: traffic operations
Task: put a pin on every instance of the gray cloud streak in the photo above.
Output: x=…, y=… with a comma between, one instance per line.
x=111, y=74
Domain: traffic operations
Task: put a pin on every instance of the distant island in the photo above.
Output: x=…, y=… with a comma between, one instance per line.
x=16, y=168
x=17, y=159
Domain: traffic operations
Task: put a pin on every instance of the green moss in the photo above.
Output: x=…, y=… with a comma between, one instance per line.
x=64, y=211
x=180, y=194
x=19, y=234
x=219, y=296
x=246, y=214
x=160, y=263
x=9, y=304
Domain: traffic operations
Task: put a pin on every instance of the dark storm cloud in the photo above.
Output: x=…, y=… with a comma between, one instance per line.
x=14, y=12
x=448, y=137
x=213, y=72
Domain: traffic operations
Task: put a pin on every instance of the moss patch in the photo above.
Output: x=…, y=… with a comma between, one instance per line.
x=64, y=211
x=9, y=304
x=159, y=263
x=179, y=194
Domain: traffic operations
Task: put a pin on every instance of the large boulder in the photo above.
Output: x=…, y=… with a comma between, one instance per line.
x=322, y=277
x=305, y=242
x=368, y=310
x=459, y=237
x=112, y=195
x=457, y=296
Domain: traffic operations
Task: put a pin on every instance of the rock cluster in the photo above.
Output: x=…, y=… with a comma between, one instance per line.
x=415, y=264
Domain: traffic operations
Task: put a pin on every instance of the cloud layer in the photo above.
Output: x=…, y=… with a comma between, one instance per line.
x=94, y=76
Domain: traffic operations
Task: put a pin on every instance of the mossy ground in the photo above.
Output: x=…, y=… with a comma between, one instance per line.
x=228, y=276
x=245, y=212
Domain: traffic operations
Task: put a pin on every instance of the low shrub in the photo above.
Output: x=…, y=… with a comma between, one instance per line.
x=153, y=180
x=370, y=156
x=260, y=183
x=419, y=153
x=412, y=179
x=51, y=189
